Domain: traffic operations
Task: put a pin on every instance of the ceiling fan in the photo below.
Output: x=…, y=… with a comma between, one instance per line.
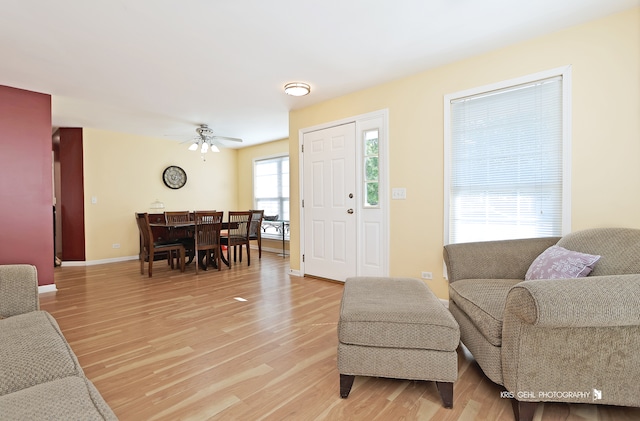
x=207, y=141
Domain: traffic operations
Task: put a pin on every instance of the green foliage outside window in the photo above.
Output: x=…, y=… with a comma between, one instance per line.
x=371, y=168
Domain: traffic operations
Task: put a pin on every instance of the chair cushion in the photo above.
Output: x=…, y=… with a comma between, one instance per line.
x=33, y=351
x=69, y=398
x=483, y=300
x=395, y=313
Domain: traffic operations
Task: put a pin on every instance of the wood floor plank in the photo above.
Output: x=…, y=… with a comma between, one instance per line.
x=181, y=346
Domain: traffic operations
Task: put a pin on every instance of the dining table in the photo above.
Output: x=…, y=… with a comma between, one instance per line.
x=189, y=227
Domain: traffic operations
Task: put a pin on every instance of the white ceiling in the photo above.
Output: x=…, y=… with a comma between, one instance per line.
x=162, y=67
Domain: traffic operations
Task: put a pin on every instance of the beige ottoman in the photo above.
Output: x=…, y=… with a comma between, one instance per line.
x=397, y=328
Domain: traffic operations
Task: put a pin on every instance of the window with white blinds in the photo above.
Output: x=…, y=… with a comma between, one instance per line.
x=271, y=186
x=507, y=172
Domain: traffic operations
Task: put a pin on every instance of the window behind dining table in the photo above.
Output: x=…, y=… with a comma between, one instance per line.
x=271, y=186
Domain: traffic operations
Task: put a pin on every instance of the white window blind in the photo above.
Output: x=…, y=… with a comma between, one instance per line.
x=271, y=186
x=506, y=163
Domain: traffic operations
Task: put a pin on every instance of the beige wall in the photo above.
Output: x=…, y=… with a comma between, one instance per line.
x=124, y=173
x=246, y=156
x=605, y=55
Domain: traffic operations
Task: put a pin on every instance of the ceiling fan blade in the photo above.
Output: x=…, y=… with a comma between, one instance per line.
x=232, y=139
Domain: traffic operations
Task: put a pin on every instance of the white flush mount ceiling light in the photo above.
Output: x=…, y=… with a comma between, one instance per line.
x=297, y=88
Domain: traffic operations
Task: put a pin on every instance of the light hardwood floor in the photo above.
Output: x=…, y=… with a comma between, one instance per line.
x=181, y=346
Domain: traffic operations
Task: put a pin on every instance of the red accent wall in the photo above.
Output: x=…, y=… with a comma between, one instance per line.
x=26, y=198
x=71, y=200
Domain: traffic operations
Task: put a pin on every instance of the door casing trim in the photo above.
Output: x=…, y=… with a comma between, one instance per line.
x=384, y=183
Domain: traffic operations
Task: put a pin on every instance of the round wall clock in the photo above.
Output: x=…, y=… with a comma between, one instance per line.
x=174, y=177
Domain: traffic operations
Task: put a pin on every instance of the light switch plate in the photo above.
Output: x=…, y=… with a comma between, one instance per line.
x=399, y=193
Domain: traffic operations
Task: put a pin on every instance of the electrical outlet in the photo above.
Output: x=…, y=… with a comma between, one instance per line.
x=427, y=275
x=115, y=246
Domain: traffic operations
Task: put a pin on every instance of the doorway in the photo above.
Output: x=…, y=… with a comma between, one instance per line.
x=68, y=188
x=344, y=191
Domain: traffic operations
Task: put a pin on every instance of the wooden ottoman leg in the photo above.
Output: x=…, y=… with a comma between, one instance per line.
x=446, y=393
x=523, y=410
x=346, y=381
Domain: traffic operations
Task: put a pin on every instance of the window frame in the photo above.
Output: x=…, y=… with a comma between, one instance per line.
x=565, y=73
x=280, y=156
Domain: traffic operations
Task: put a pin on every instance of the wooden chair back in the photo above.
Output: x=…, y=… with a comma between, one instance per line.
x=239, y=223
x=207, y=237
x=208, y=225
x=176, y=217
x=238, y=234
x=180, y=234
x=255, y=230
x=146, y=236
x=256, y=222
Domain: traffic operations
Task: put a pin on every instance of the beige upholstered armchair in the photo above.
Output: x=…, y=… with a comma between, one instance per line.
x=564, y=340
x=18, y=290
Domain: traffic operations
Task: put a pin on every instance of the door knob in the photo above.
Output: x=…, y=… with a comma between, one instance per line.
x=350, y=211
x=350, y=195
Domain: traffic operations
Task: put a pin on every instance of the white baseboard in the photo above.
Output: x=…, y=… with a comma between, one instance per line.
x=129, y=258
x=270, y=249
x=294, y=272
x=47, y=288
x=444, y=302
x=99, y=262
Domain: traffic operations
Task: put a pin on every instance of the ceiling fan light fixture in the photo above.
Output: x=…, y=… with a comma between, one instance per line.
x=204, y=130
x=207, y=141
x=297, y=89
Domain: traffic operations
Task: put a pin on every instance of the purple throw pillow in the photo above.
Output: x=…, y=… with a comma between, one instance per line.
x=557, y=263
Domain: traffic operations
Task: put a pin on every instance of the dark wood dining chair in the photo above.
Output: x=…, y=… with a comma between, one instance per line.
x=255, y=229
x=182, y=235
x=207, y=237
x=176, y=217
x=149, y=248
x=237, y=234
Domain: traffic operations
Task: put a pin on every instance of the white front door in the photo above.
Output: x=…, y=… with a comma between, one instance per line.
x=330, y=223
